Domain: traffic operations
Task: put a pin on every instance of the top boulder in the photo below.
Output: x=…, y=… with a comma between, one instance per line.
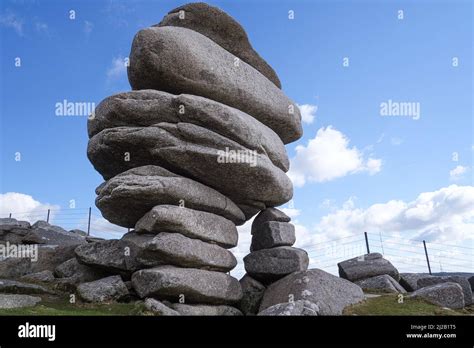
x=221, y=28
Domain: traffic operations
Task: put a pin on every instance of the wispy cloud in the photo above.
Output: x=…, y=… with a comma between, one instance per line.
x=12, y=21
x=88, y=27
x=308, y=112
x=117, y=69
x=457, y=173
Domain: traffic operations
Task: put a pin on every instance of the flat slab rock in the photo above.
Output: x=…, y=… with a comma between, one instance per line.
x=196, y=285
x=43, y=233
x=366, y=266
x=159, y=308
x=205, y=310
x=330, y=293
x=273, y=234
x=240, y=173
x=146, y=108
x=223, y=30
x=8, y=301
x=179, y=60
x=268, y=265
x=17, y=287
x=449, y=295
x=462, y=281
x=124, y=199
x=298, y=308
x=103, y=290
x=176, y=249
x=383, y=283
x=192, y=223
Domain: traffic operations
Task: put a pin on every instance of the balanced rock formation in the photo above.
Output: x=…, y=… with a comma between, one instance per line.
x=194, y=150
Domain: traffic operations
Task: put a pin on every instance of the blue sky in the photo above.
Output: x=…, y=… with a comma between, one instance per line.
x=379, y=159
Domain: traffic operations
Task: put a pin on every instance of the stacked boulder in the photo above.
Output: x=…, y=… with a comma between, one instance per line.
x=196, y=149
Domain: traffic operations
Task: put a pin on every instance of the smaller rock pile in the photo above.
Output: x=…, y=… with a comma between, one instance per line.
x=272, y=256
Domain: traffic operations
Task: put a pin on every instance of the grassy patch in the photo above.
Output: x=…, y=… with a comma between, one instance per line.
x=62, y=307
x=388, y=305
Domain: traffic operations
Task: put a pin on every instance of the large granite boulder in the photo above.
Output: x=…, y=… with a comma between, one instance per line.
x=223, y=30
x=366, y=266
x=300, y=308
x=268, y=265
x=330, y=293
x=125, y=198
x=113, y=256
x=252, y=294
x=103, y=290
x=146, y=108
x=240, y=173
x=9, y=301
x=197, y=224
x=273, y=234
x=382, y=283
x=409, y=281
x=448, y=295
x=8, y=224
x=176, y=249
x=45, y=276
x=462, y=281
x=178, y=60
x=13, y=231
x=14, y=267
x=81, y=273
x=195, y=285
x=159, y=308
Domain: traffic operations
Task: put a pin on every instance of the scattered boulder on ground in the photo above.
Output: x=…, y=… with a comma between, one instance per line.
x=17, y=287
x=409, y=281
x=382, y=283
x=205, y=310
x=191, y=223
x=45, y=276
x=330, y=293
x=366, y=266
x=159, y=308
x=252, y=294
x=9, y=301
x=82, y=273
x=103, y=290
x=196, y=285
x=462, y=281
x=448, y=295
x=300, y=308
x=268, y=265
x=43, y=233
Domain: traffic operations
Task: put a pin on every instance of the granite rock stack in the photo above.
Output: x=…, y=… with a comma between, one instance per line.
x=194, y=150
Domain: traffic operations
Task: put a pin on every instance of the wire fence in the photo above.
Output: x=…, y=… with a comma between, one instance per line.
x=407, y=255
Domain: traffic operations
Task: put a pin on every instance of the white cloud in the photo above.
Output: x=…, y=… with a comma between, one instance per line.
x=457, y=173
x=10, y=20
x=443, y=215
x=327, y=157
x=88, y=27
x=25, y=207
x=308, y=112
x=117, y=69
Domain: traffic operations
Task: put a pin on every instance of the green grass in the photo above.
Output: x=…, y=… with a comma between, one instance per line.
x=62, y=307
x=388, y=305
